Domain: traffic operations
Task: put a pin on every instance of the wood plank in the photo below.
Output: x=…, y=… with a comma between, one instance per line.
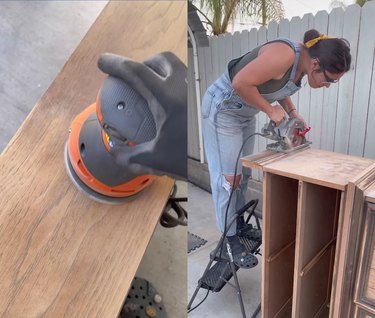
x=312, y=165
x=61, y=253
x=315, y=288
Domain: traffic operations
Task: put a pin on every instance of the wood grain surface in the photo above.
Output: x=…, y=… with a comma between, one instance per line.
x=317, y=166
x=61, y=254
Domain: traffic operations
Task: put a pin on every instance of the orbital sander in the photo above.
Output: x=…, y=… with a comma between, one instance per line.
x=102, y=134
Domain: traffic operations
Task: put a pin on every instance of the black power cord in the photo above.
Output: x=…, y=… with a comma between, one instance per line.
x=201, y=302
x=232, y=187
x=169, y=220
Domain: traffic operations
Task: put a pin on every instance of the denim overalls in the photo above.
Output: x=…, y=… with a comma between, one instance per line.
x=226, y=122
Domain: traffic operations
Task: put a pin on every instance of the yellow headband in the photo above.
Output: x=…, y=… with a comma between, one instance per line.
x=312, y=42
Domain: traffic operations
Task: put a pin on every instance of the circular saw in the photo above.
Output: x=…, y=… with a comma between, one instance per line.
x=289, y=135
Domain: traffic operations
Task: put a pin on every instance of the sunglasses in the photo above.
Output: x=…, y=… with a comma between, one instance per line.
x=328, y=79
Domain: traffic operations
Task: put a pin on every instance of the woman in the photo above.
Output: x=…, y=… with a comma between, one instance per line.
x=271, y=72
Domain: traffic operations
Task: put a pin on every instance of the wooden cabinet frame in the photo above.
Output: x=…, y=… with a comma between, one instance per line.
x=312, y=217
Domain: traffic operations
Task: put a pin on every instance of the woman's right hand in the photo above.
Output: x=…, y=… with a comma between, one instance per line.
x=277, y=114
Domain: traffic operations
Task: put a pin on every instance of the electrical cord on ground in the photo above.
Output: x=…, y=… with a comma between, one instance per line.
x=201, y=302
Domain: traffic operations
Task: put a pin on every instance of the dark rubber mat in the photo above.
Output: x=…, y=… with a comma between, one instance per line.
x=194, y=242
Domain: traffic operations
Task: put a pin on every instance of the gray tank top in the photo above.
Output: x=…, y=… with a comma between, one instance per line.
x=272, y=85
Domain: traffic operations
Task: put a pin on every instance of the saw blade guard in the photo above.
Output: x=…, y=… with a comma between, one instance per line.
x=289, y=135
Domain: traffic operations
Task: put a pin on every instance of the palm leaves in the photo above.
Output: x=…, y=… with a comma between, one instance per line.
x=219, y=13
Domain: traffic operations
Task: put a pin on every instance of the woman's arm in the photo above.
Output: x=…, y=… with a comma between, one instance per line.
x=288, y=105
x=273, y=61
x=291, y=110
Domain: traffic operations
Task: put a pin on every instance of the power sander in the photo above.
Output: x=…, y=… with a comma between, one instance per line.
x=120, y=118
x=290, y=135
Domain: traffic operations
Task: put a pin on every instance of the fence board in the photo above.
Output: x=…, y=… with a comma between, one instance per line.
x=215, y=58
x=316, y=99
x=284, y=29
x=244, y=42
x=262, y=117
x=236, y=45
x=305, y=91
x=296, y=34
x=253, y=42
x=253, y=38
x=363, y=80
x=329, y=112
x=208, y=66
x=202, y=66
x=347, y=82
x=369, y=150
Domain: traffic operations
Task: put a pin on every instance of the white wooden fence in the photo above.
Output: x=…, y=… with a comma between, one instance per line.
x=342, y=117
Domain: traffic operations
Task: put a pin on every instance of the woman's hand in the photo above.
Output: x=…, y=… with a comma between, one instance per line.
x=295, y=114
x=277, y=114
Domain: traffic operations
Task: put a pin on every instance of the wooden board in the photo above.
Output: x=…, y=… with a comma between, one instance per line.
x=312, y=165
x=61, y=253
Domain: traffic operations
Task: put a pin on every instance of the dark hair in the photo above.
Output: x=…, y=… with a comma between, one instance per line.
x=333, y=54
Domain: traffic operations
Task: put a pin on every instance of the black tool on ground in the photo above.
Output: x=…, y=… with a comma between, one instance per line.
x=143, y=301
x=221, y=267
x=134, y=131
x=174, y=214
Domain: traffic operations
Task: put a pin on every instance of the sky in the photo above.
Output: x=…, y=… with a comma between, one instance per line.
x=294, y=8
x=300, y=7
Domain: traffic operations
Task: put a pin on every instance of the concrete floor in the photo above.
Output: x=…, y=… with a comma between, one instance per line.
x=225, y=303
x=37, y=38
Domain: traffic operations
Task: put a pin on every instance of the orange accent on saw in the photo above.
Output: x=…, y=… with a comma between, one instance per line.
x=124, y=190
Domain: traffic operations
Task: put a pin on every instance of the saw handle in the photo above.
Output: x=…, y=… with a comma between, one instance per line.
x=303, y=133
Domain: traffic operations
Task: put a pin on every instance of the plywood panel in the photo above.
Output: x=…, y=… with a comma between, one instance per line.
x=312, y=165
x=315, y=288
x=318, y=217
x=279, y=217
x=280, y=287
x=63, y=255
x=315, y=240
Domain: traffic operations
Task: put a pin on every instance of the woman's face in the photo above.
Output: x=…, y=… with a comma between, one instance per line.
x=318, y=77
